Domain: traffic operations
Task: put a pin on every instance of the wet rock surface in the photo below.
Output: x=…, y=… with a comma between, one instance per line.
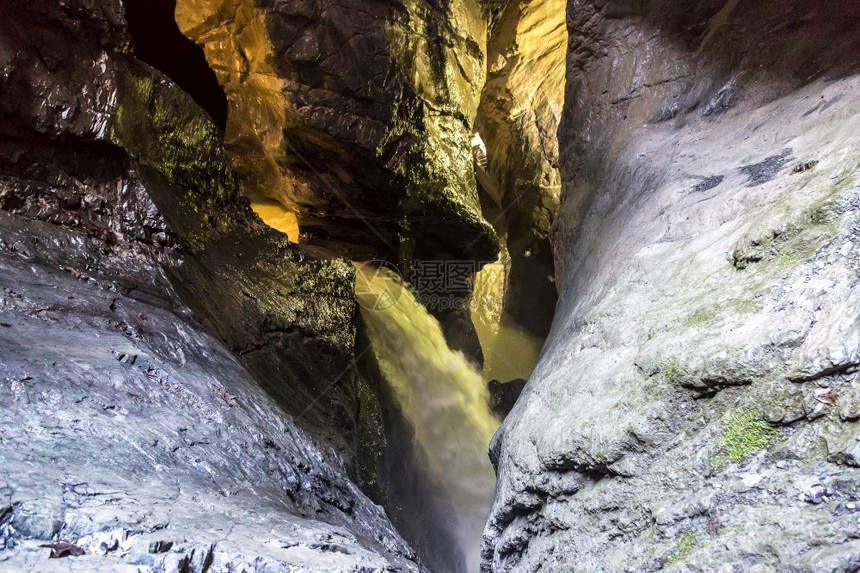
x=521, y=104
x=132, y=440
x=361, y=113
x=84, y=111
x=694, y=406
x=155, y=333
x=503, y=395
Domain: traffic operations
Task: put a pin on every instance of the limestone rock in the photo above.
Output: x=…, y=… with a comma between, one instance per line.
x=706, y=252
x=135, y=436
x=132, y=438
x=520, y=109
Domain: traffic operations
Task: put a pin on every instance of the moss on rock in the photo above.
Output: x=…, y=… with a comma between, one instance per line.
x=746, y=432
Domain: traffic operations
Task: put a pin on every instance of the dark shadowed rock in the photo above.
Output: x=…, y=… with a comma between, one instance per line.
x=124, y=246
x=503, y=395
x=357, y=116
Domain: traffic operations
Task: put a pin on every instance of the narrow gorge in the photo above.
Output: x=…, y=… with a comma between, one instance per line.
x=455, y=286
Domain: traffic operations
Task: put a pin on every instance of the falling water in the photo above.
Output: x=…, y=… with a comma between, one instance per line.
x=441, y=394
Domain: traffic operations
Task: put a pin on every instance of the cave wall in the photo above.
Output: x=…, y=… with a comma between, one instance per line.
x=363, y=113
x=155, y=331
x=357, y=116
x=135, y=436
x=68, y=93
x=521, y=104
x=695, y=407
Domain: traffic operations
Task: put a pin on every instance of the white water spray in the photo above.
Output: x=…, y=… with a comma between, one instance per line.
x=441, y=394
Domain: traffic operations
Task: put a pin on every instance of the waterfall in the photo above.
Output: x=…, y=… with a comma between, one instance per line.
x=440, y=393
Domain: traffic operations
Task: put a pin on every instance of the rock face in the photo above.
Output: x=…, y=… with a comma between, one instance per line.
x=518, y=118
x=503, y=395
x=362, y=115
x=137, y=437
x=696, y=404
x=130, y=434
x=77, y=104
x=357, y=117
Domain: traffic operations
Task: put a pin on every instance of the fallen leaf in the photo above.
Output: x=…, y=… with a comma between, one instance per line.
x=6, y=324
x=63, y=548
x=823, y=396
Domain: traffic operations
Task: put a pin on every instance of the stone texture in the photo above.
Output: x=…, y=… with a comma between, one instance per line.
x=78, y=97
x=136, y=436
x=693, y=408
x=132, y=438
x=518, y=118
x=503, y=395
x=696, y=407
x=357, y=116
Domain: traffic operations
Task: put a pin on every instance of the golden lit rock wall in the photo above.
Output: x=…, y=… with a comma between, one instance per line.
x=234, y=38
x=446, y=77
x=355, y=115
x=517, y=120
x=522, y=102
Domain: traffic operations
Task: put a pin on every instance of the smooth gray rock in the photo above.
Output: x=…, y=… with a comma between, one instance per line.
x=709, y=288
x=132, y=433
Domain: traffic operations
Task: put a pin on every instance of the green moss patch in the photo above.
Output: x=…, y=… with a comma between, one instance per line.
x=797, y=240
x=702, y=314
x=687, y=542
x=747, y=432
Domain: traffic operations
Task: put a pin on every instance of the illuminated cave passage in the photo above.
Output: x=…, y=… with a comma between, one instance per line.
x=158, y=42
x=186, y=387
x=427, y=372
x=434, y=385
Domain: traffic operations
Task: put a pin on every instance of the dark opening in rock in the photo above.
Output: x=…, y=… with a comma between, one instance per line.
x=158, y=42
x=503, y=395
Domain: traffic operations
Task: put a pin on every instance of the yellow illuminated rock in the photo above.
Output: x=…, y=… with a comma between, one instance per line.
x=510, y=352
x=358, y=123
x=277, y=216
x=233, y=36
x=518, y=119
x=525, y=86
